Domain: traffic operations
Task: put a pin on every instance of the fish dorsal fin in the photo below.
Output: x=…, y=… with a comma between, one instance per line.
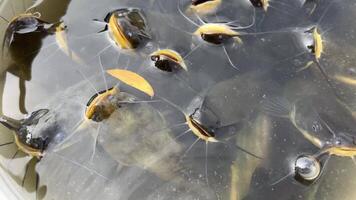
x=277, y=106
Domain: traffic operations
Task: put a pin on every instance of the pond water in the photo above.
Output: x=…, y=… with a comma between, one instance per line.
x=239, y=119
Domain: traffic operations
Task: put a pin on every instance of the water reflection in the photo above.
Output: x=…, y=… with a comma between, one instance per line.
x=151, y=159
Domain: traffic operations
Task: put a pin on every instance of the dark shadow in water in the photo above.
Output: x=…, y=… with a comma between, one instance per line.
x=24, y=47
x=21, y=53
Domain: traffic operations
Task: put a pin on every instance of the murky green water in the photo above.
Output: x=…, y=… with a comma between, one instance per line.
x=264, y=101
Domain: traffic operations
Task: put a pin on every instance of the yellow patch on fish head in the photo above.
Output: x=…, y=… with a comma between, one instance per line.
x=205, y=8
x=170, y=55
x=198, y=130
x=117, y=33
x=99, y=103
x=318, y=44
x=215, y=28
x=27, y=149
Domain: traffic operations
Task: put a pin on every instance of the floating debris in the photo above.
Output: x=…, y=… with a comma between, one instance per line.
x=132, y=79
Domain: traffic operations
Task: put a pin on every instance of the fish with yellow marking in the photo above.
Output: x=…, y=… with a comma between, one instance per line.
x=199, y=130
x=207, y=134
x=25, y=142
x=68, y=124
x=317, y=47
x=217, y=33
x=23, y=138
x=204, y=7
x=127, y=28
x=264, y=4
x=201, y=123
x=168, y=60
x=316, y=119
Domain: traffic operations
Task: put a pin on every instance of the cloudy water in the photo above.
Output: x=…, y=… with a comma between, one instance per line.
x=156, y=99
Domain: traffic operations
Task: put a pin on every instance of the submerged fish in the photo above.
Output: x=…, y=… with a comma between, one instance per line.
x=204, y=7
x=324, y=122
x=242, y=169
x=134, y=134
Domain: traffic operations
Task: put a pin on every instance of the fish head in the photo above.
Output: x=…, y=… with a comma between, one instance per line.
x=343, y=140
x=26, y=133
x=25, y=23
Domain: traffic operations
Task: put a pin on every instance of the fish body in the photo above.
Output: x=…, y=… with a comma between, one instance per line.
x=204, y=7
x=128, y=27
x=217, y=33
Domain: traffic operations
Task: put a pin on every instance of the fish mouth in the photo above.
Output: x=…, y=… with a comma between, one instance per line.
x=128, y=27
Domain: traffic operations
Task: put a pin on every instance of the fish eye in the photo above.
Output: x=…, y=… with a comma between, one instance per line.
x=155, y=58
x=311, y=48
x=128, y=28
x=197, y=2
x=338, y=142
x=307, y=168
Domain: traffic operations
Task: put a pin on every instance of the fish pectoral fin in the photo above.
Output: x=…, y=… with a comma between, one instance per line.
x=277, y=106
